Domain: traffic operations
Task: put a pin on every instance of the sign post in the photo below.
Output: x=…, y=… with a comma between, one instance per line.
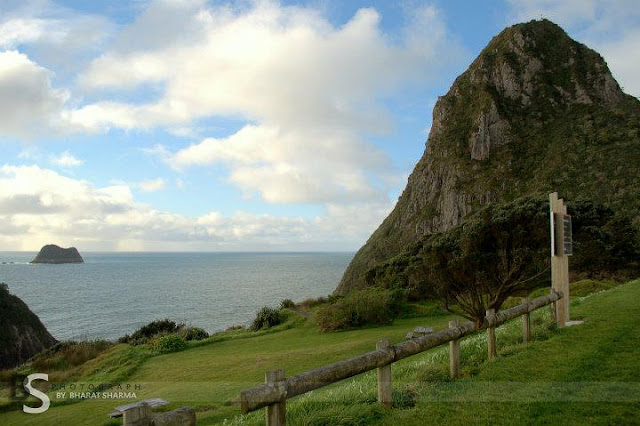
x=561, y=249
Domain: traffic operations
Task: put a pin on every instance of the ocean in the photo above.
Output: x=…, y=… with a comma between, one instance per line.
x=113, y=294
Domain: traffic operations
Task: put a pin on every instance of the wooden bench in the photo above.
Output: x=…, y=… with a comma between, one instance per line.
x=151, y=403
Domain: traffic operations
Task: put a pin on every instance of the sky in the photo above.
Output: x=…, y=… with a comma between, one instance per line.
x=193, y=125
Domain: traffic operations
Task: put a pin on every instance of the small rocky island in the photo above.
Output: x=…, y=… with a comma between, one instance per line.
x=52, y=253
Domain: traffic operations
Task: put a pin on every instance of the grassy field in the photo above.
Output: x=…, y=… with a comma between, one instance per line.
x=584, y=374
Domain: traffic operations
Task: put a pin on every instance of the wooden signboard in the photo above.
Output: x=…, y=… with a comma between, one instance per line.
x=561, y=248
x=561, y=235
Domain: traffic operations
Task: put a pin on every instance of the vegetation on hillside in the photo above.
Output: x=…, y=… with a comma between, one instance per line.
x=162, y=327
x=495, y=253
x=362, y=307
x=267, y=317
x=22, y=334
x=503, y=248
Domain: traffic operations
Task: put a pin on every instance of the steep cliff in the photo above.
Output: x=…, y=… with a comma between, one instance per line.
x=51, y=253
x=22, y=334
x=535, y=112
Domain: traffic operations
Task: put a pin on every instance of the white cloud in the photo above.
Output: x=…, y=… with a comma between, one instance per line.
x=66, y=159
x=37, y=36
x=308, y=91
x=184, y=132
x=58, y=35
x=609, y=26
x=30, y=105
x=294, y=166
x=40, y=206
x=17, y=31
x=152, y=185
x=269, y=63
x=31, y=190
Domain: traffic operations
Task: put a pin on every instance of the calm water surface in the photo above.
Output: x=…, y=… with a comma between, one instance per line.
x=112, y=294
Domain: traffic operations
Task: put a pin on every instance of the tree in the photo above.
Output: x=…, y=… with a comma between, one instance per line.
x=497, y=251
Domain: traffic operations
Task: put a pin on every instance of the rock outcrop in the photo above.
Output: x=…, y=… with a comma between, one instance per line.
x=22, y=334
x=535, y=112
x=52, y=253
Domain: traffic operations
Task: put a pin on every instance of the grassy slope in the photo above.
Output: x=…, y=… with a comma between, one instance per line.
x=586, y=374
x=211, y=376
x=581, y=375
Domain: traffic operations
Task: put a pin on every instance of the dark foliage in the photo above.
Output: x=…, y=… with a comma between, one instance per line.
x=154, y=328
x=22, y=334
x=606, y=244
x=498, y=251
x=193, y=333
x=266, y=318
x=371, y=306
x=287, y=304
x=504, y=248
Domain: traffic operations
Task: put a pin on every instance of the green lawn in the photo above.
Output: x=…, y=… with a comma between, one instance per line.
x=584, y=374
x=211, y=376
x=588, y=374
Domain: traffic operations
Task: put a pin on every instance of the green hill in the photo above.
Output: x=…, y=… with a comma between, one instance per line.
x=536, y=112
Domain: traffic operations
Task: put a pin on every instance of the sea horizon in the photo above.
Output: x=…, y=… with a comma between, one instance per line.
x=114, y=293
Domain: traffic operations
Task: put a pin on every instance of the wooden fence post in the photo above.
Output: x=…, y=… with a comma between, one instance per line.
x=552, y=308
x=276, y=413
x=526, y=323
x=384, y=378
x=454, y=354
x=491, y=335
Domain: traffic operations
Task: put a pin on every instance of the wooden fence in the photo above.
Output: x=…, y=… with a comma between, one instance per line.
x=277, y=389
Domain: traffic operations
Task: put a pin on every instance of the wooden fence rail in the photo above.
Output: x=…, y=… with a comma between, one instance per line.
x=278, y=389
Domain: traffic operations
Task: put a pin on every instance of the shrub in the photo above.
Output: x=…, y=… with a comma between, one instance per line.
x=287, y=304
x=267, y=317
x=169, y=343
x=312, y=303
x=154, y=328
x=193, y=333
x=64, y=355
x=362, y=307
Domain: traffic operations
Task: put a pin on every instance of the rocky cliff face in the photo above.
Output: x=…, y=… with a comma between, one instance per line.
x=536, y=111
x=51, y=253
x=22, y=334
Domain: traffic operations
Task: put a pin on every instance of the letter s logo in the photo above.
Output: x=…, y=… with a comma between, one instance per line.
x=35, y=392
